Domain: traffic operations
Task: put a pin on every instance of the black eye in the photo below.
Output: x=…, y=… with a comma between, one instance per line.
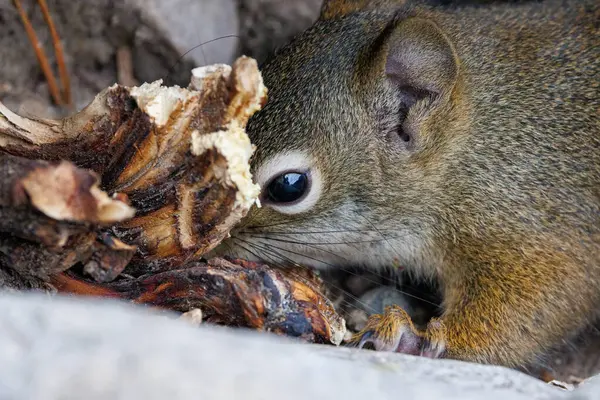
x=288, y=187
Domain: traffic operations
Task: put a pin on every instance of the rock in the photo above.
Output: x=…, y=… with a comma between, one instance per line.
x=268, y=24
x=187, y=24
x=84, y=29
x=62, y=348
x=588, y=390
x=356, y=319
x=194, y=316
x=358, y=283
x=375, y=301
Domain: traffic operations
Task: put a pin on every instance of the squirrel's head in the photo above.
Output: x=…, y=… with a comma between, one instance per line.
x=361, y=107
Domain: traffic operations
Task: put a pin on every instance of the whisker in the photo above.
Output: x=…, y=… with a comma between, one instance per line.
x=249, y=232
x=306, y=244
x=273, y=260
x=272, y=236
x=355, y=298
x=170, y=70
x=269, y=253
x=300, y=254
x=386, y=278
x=345, y=303
x=276, y=254
x=354, y=274
x=251, y=252
x=315, y=243
x=292, y=273
x=228, y=246
x=381, y=234
x=284, y=222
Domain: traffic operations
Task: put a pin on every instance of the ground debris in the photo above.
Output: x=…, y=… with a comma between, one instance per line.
x=232, y=293
x=124, y=198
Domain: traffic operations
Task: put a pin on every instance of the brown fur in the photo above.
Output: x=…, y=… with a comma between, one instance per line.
x=497, y=191
x=340, y=8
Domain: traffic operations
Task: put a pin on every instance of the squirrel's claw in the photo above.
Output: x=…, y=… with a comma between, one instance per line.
x=379, y=344
x=371, y=335
x=391, y=331
x=394, y=331
x=434, y=345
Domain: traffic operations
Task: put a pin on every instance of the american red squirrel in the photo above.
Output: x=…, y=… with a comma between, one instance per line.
x=462, y=142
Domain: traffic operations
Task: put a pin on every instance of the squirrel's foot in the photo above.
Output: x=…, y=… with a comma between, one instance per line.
x=394, y=331
x=434, y=345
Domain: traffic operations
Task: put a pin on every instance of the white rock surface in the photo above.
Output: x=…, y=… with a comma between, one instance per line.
x=65, y=349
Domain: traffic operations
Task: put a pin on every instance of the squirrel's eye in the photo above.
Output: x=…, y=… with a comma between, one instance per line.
x=291, y=182
x=287, y=188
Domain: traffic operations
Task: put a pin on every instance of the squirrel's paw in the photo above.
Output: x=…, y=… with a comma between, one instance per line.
x=394, y=331
x=434, y=345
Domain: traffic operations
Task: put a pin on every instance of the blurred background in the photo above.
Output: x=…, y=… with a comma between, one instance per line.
x=133, y=41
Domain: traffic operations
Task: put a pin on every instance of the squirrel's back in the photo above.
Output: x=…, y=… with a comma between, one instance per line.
x=532, y=77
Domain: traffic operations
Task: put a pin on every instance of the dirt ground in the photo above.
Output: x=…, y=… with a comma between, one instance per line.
x=92, y=33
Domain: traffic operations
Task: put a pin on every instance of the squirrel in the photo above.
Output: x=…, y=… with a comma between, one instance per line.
x=461, y=142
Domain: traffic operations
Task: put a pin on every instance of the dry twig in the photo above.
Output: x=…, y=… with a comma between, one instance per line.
x=65, y=97
x=58, y=51
x=125, y=67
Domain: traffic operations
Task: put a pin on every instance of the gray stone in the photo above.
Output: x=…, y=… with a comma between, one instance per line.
x=190, y=23
x=589, y=389
x=268, y=24
x=61, y=348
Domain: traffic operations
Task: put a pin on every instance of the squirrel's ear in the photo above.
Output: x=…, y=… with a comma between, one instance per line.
x=421, y=62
